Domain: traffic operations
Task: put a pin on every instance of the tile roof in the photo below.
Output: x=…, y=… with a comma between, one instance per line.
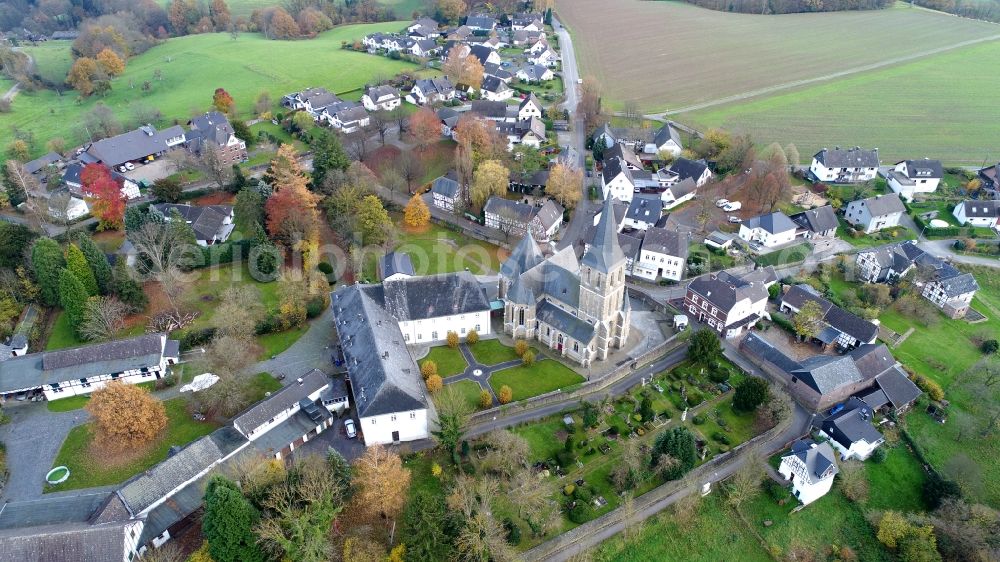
x=981, y=209
x=666, y=133
x=819, y=219
x=41, y=162
x=490, y=109
x=213, y=126
x=49, y=510
x=624, y=153
x=280, y=401
x=848, y=158
x=669, y=242
x=765, y=350
x=924, y=169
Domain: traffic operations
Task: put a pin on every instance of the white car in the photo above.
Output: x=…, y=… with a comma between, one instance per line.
x=129, y=166
x=122, y=169
x=735, y=219
x=732, y=206
x=352, y=431
x=722, y=202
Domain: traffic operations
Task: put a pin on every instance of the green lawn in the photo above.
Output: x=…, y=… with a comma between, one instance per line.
x=261, y=384
x=52, y=59
x=62, y=335
x=861, y=240
x=441, y=250
x=282, y=136
x=470, y=391
x=544, y=376
x=193, y=66
x=68, y=404
x=204, y=288
x=896, y=483
x=791, y=254
x=88, y=471
x=449, y=361
x=492, y=352
x=273, y=344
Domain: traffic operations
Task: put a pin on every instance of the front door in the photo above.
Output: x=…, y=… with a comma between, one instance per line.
x=560, y=340
x=395, y=437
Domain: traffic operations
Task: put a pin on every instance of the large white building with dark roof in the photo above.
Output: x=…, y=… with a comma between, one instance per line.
x=911, y=177
x=811, y=468
x=727, y=303
x=852, y=165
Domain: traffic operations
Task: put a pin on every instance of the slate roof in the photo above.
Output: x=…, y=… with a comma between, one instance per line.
x=207, y=222
x=133, y=145
x=848, y=158
x=481, y=52
x=604, y=254
x=872, y=359
x=631, y=245
x=645, y=209
x=384, y=377
x=683, y=187
x=489, y=109
x=481, y=21
x=818, y=459
x=825, y=373
x=494, y=69
x=685, y=168
x=819, y=219
x=511, y=210
x=425, y=45
x=774, y=223
x=281, y=400
x=48, y=510
x=882, y=205
x=520, y=292
x=852, y=424
x=576, y=328
x=433, y=296
x=396, y=262
x=669, y=242
x=377, y=93
x=623, y=153
x=41, y=162
x=981, y=209
x=212, y=126
x=763, y=349
x=533, y=72
x=144, y=490
x=833, y=315
x=924, y=169
x=439, y=85
x=68, y=542
x=550, y=214
x=898, y=388
x=724, y=291
x=666, y=133
x=525, y=256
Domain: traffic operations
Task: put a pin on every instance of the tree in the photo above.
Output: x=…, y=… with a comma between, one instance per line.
x=19, y=183
x=565, y=185
x=167, y=189
x=451, y=10
x=505, y=395
x=411, y=168
x=429, y=531
x=919, y=545
x=704, y=347
x=374, y=223
x=463, y=70
x=248, y=210
x=453, y=413
x=490, y=179
x=110, y=62
x=302, y=121
x=485, y=399
x=48, y=261
x=744, y=484
x=125, y=416
x=239, y=311
x=291, y=210
x=104, y=193
x=792, y=155
x=78, y=266
x=228, y=522
x=222, y=101
x=434, y=383
x=416, y=215
x=528, y=359
x=382, y=482
x=808, y=320
x=892, y=527
x=750, y=393
x=73, y=298
x=328, y=154
x=589, y=105
x=428, y=369
x=521, y=347
x=425, y=126
x=219, y=12
x=126, y=288
x=103, y=318
x=97, y=262
x=676, y=444
x=990, y=346
x=210, y=162
x=452, y=338
x=82, y=74
x=14, y=238
x=646, y=409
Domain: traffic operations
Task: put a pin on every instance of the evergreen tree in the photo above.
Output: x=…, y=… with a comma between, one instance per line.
x=76, y=262
x=676, y=447
x=47, y=259
x=228, y=523
x=704, y=347
x=126, y=288
x=328, y=154
x=73, y=298
x=750, y=393
x=340, y=469
x=429, y=531
x=263, y=252
x=97, y=261
x=134, y=219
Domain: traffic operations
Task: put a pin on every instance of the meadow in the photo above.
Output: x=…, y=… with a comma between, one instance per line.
x=677, y=54
x=243, y=8
x=192, y=67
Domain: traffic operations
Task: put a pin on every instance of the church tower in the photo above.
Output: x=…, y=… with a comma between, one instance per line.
x=602, y=284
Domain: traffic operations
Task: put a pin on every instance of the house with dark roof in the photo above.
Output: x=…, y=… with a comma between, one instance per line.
x=81, y=370
x=875, y=213
x=381, y=98
x=649, y=144
x=770, y=230
x=212, y=224
x=446, y=191
x=990, y=176
x=495, y=89
x=43, y=162
x=662, y=255
x=727, y=303
x=643, y=212
x=498, y=71
x=840, y=327
x=485, y=55
x=492, y=110
x=811, y=468
x=696, y=170
x=480, y=23
x=887, y=263
x=424, y=28
x=395, y=265
x=544, y=57
x=851, y=431
x=578, y=308
x=528, y=22
x=852, y=165
x=432, y=90
x=213, y=129
x=289, y=417
x=534, y=73
x=515, y=218
x=530, y=132
x=820, y=222
x=528, y=182
x=620, y=180
x=976, y=212
x=910, y=177
x=144, y=143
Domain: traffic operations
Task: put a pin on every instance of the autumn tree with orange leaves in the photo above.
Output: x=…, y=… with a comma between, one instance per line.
x=104, y=194
x=222, y=100
x=125, y=415
x=480, y=134
x=464, y=70
x=425, y=126
x=291, y=210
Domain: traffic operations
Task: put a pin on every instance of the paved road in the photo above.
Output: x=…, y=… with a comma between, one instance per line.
x=33, y=438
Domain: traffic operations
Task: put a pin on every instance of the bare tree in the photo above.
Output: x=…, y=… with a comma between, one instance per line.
x=411, y=168
x=103, y=318
x=853, y=481
x=60, y=204
x=357, y=145
x=239, y=312
x=631, y=114
x=164, y=252
x=744, y=485
x=210, y=162
x=22, y=180
x=381, y=122
x=400, y=117
x=508, y=452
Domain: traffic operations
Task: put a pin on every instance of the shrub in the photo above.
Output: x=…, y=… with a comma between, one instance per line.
x=315, y=307
x=583, y=494
x=569, y=489
x=718, y=375
x=565, y=458
x=196, y=338
x=879, y=455
x=452, y=340
x=720, y=437
x=694, y=398
x=520, y=347
x=750, y=393
x=990, y=346
x=513, y=532
x=428, y=369
x=581, y=513
x=434, y=383
x=472, y=338
x=468, y=468
x=528, y=359
x=505, y=395
x=933, y=389
x=698, y=420
x=325, y=268
x=436, y=470
x=485, y=399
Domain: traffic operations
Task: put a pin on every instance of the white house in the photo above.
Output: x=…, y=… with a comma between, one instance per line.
x=82, y=370
x=811, y=469
x=616, y=180
x=666, y=139
x=910, y=177
x=663, y=255
x=212, y=224
x=424, y=48
x=534, y=73
x=311, y=100
x=485, y=54
x=770, y=230
x=643, y=212
x=495, y=89
x=546, y=57
x=536, y=45
x=423, y=27
x=679, y=193
x=381, y=98
x=480, y=22
x=529, y=107
x=530, y=132
x=73, y=209
x=432, y=90
x=515, y=218
x=852, y=165
x=395, y=265
x=820, y=222
x=697, y=170
x=445, y=192
x=730, y=304
x=875, y=213
x=850, y=430
x=978, y=213
x=527, y=22
x=950, y=289
x=349, y=119
x=283, y=407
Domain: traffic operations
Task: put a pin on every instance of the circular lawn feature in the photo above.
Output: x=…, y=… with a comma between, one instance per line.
x=57, y=475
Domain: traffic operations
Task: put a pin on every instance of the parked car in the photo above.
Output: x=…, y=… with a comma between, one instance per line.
x=352, y=431
x=722, y=202
x=129, y=166
x=122, y=169
x=733, y=219
x=732, y=206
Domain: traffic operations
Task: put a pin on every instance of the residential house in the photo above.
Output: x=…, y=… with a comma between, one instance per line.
x=485, y=55
x=910, y=177
x=853, y=165
x=212, y=224
x=528, y=183
x=81, y=370
x=295, y=408
x=621, y=181
x=381, y=98
x=526, y=22
x=529, y=107
x=433, y=90
x=446, y=192
x=840, y=327
x=43, y=162
x=770, y=230
x=662, y=255
x=525, y=38
x=604, y=134
x=650, y=143
x=424, y=48
x=349, y=119
x=498, y=71
x=644, y=212
x=990, y=176
x=889, y=263
x=730, y=304
x=496, y=111
x=820, y=222
x=423, y=28
x=535, y=45
x=850, y=430
x=395, y=265
x=950, y=290
x=697, y=170
x=213, y=129
x=626, y=155
x=144, y=143
x=679, y=193
x=492, y=41
x=495, y=89
x=978, y=213
x=577, y=308
x=530, y=132
x=534, y=73
x=811, y=468
x=515, y=218
x=449, y=120
x=481, y=23
x=545, y=57
x=719, y=240
x=65, y=207
x=460, y=33
x=875, y=213
x=311, y=100
x=72, y=180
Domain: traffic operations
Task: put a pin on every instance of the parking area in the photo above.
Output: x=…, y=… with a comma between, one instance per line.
x=336, y=437
x=157, y=169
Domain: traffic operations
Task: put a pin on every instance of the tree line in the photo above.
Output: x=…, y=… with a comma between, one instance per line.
x=789, y=6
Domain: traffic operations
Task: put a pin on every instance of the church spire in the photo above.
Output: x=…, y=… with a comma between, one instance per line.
x=604, y=253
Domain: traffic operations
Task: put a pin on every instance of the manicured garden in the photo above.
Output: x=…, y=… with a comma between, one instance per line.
x=470, y=392
x=89, y=469
x=539, y=378
x=449, y=361
x=492, y=352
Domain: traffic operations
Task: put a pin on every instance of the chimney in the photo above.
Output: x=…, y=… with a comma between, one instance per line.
x=299, y=380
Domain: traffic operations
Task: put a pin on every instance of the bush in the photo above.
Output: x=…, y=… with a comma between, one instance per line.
x=721, y=437
x=528, y=359
x=325, y=268
x=879, y=455
x=990, y=346
x=513, y=532
x=315, y=307
x=468, y=468
x=452, y=340
x=581, y=513
x=694, y=398
x=196, y=338
x=472, y=337
x=718, y=375
x=565, y=458
x=569, y=489
x=583, y=494
x=520, y=347
x=933, y=389
x=698, y=420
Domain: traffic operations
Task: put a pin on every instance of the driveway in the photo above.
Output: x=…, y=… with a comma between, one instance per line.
x=312, y=351
x=33, y=438
x=157, y=169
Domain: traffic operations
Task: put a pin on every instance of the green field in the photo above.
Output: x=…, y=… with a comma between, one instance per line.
x=937, y=114
x=193, y=66
x=449, y=361
x=52, y=59
x=540, y=378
